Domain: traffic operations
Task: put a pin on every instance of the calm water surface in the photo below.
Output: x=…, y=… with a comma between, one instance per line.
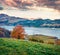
x=44, y=31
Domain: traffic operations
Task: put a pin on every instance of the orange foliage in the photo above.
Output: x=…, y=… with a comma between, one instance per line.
x=18, y=32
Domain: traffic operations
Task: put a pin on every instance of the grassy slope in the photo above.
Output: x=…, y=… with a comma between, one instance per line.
x=45, y=39
x=22, y=47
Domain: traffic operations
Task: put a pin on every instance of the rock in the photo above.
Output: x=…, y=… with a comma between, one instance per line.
x=4, y=33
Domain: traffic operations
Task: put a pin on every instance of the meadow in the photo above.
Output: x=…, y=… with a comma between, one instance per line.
x=10, y=46
x=42, y=39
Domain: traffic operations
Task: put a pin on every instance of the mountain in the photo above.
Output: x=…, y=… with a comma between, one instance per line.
x=55, y=4
x=13, y=21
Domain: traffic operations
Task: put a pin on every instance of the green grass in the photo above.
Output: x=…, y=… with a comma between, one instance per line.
x=23, y=47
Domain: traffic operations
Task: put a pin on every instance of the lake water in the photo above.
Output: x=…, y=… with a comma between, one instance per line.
x=55, y=32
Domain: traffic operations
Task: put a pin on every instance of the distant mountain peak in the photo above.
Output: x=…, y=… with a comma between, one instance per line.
x=3, y=15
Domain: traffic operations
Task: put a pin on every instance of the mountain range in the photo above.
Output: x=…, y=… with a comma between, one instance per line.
x=13, y=21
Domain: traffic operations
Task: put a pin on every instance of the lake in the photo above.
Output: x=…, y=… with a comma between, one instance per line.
x=55, y=32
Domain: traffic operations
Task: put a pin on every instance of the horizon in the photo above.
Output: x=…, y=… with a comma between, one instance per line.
x=27, y=18
x=52, y=14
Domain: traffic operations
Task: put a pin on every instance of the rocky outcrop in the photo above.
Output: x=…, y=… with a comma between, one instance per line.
x=4, y=33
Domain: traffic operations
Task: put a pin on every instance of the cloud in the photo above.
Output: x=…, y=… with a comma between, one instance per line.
x=55, y=4
x=1, y=8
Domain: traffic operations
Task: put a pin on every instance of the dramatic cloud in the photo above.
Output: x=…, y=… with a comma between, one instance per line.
x=55, y=4
x=38, y=8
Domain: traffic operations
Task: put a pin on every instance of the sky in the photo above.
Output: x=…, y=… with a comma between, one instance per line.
x=31, y=8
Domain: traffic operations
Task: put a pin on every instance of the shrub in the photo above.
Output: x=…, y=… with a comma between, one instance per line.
x=18, y=32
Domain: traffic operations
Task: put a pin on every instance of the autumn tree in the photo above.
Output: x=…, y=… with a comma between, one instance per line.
x=18, y=32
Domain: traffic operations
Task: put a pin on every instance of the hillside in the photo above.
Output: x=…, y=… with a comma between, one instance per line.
x=4, y=33
x=23, y=47
x=13, y=21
